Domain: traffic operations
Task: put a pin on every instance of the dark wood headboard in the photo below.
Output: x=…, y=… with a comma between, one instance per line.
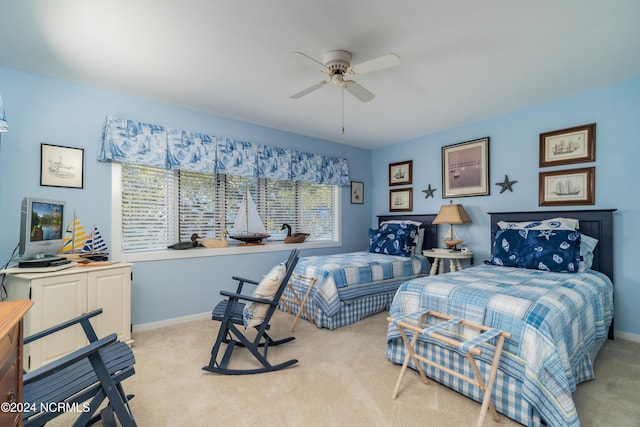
x=430, y=230
x=595, y=223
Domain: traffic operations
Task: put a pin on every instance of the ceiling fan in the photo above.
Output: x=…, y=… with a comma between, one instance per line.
x=337, y=65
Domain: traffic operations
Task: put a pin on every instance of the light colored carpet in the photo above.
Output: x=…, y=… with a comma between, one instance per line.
x=342, y=379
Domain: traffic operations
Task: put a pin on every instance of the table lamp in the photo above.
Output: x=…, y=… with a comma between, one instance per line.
x=452, y=214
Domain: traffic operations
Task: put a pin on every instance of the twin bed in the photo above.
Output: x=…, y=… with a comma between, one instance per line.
x=350, y=287
x=558, y=320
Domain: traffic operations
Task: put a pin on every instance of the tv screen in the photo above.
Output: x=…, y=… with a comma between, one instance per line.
x=41, y=227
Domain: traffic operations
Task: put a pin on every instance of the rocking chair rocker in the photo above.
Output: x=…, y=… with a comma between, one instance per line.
x=232, y=320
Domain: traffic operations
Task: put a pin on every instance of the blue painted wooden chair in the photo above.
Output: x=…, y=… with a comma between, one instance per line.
x=229, y=313
x=81, y=381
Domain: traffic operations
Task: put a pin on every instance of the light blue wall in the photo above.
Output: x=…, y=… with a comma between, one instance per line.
x=51, y=111
x=514, y=150
x=43, y=110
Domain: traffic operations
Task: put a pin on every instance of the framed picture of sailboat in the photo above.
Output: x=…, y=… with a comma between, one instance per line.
x=566, y=146
x=465, y=169
x=567, y=187
x=401, y=173
x=61, y=166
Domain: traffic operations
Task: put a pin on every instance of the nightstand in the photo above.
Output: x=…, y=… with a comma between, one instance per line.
x=454, y=257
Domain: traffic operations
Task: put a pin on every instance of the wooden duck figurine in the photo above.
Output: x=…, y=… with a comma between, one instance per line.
x=295, y=237
x=186, y=245
x=216, y=243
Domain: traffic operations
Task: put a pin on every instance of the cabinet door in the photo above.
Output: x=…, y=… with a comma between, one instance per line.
x=56, y=300
x=110, y=289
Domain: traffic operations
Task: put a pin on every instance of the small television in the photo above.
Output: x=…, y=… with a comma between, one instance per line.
x=41, y=228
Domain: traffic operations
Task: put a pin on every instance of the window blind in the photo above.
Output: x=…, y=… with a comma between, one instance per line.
x=148, y=195
x=161, y=207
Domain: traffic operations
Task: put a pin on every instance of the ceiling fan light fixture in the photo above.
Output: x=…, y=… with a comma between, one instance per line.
x=337, y=79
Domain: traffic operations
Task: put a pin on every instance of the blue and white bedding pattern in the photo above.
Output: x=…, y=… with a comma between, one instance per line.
x=558, y=323
x=351, y=275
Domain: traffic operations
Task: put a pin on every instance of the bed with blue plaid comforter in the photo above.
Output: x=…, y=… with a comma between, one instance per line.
x=352, y=286
x=558, y=323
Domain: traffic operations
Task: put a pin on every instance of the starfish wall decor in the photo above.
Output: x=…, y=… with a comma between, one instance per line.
x=429, y=192
x=506, y=184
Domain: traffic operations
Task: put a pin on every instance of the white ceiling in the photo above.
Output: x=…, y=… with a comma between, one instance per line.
x=461, y=60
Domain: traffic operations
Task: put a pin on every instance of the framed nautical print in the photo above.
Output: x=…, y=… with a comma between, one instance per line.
x=61, y=166
x=567, y=146
x=401, y=173
x=465, y=169
x=401, y=200
x=567, y=187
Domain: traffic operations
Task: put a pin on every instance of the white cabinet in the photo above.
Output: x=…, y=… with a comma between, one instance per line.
x=62, y=295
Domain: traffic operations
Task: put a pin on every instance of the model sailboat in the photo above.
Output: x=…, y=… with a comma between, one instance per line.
x=74, y=237
x=248, y=226
x=78, y=244
x=95, y=244
x=451, y=239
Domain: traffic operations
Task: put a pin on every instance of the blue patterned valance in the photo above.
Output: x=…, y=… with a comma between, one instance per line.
x=128, y=141
x=193, y=152
x=132, y=142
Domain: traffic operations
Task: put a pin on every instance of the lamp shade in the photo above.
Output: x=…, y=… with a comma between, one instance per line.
x=4, y=127
x=452, y=214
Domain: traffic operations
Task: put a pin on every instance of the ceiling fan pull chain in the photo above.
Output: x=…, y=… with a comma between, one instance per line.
x=343, y=110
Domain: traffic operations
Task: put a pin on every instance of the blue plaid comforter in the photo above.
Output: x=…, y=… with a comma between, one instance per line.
x=351, y=275
x=558, y=322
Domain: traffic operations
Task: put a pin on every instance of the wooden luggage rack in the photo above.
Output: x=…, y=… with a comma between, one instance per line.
x=296, y=300
x=408, y=322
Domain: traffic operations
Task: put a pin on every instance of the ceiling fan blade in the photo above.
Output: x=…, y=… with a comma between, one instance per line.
x=311, y=59
x=308, y=90
x=380, y=63
x=358, y=91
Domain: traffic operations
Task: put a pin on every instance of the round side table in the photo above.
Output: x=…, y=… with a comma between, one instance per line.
x=454, y=258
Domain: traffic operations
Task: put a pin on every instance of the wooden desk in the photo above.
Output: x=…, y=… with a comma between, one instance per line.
x=11, y=314
x=437, y=267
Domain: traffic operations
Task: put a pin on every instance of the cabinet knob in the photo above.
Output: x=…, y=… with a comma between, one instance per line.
x=11, y=396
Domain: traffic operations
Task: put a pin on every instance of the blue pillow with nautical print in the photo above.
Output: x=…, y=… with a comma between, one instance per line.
x=548, y=250
x=393, y=239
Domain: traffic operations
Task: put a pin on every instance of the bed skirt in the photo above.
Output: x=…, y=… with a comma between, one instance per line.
x=351, y=311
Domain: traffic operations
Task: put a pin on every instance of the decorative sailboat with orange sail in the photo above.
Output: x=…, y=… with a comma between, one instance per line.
x=248, y=226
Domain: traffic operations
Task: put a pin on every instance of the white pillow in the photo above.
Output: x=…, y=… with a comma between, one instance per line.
x=545, y=224
x=253, y=313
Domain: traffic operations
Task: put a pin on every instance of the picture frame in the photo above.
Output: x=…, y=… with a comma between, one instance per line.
x=401, y=173
x=357, y=192
x=61, y=166
x=568, y=146
x=401, y=200
x=465, y=169
x=567, y=187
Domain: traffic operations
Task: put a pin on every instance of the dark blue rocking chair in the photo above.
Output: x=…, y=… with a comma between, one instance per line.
x=81, y=381
x=229, y=313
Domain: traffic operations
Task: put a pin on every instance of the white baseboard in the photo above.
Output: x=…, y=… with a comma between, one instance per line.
x=170, y=322
x=200, y=316
x=627, y=336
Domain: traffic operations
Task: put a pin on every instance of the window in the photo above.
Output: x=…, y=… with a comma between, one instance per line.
x=160, y=207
